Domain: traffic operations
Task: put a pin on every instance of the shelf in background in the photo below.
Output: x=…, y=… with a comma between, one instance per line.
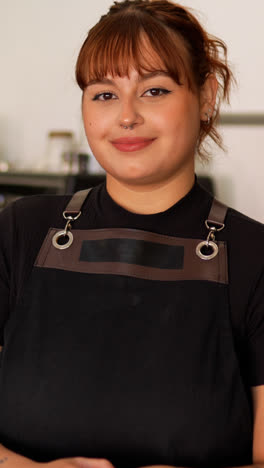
x=14, y=185
x=242, y=118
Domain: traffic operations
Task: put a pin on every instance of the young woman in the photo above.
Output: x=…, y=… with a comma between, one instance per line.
x=132, y=315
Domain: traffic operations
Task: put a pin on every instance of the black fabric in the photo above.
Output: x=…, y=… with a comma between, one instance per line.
x=132, y=251
x=23, y=227
x=140, y=377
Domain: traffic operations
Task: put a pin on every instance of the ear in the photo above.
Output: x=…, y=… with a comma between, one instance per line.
x=208, y=95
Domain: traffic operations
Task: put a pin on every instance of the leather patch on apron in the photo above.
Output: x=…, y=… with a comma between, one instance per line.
x=153, y=256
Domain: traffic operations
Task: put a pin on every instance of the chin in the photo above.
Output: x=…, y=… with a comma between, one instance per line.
x=136, y=178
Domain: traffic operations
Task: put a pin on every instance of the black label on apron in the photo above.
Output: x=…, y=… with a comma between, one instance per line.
x=133, y=251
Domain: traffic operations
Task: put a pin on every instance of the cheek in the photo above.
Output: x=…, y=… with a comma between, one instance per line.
x=86, y=117
x=96, y=127
x=92, y=128
x=92, y=122
x=97, y=116
x=185, y=122
x=181, y=115
x=180, y=127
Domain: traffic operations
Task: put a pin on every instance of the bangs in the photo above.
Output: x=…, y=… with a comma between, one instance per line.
x=121, y=42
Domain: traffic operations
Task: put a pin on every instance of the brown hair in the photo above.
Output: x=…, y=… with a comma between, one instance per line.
x=116, y=43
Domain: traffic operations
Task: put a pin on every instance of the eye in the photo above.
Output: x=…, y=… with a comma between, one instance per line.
x=155, y=92
x=104, y=97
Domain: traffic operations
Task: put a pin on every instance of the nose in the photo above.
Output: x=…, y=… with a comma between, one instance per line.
x=130, y=114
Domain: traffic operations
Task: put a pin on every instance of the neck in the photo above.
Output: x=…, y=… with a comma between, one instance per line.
x=151, y=198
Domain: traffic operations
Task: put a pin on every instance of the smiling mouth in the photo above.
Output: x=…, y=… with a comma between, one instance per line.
x=129, y=146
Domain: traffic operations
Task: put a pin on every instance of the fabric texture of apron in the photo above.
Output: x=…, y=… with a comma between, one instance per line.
x=127, y=353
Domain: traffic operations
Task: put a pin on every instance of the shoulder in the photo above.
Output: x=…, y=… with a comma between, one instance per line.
x=34, y=204
x=37, y=207
x=25, y=222
x=23, y=227
x=33, y=214
x=245, y=239
x=238, y=226
x=245, y=244
x=244, y=223
x=242, y=231
x=40, y=212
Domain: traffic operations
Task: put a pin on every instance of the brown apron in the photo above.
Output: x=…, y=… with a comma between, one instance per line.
x=127, y=351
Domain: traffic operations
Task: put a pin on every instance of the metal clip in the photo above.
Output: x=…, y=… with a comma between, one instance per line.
x=219, y=227
x=210, y=243
x=66, y=233
x=211, y=235
x=71, y=218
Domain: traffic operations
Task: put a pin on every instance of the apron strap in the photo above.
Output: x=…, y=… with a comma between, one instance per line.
x=214, y=223
x=71, y=213
x=217, y=213
x=216, y=216
x=76, y=202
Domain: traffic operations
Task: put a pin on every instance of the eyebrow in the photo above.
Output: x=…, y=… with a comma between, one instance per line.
x=144, y=77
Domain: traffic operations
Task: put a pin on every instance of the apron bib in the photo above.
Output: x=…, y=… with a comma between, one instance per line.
x=127, y=352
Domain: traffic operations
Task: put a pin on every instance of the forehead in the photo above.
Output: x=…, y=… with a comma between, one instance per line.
x=132, y=76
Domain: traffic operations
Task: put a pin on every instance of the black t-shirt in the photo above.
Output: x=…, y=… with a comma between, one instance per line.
x=24, y=225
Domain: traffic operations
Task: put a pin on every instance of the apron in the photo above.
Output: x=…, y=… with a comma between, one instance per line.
x=127, y=351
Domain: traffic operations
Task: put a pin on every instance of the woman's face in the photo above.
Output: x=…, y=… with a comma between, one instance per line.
x=163, y=113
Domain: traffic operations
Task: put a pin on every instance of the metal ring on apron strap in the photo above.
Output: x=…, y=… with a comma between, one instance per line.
x=71, y=213
x=209, y=244
x=60, y=235
x=66, y=233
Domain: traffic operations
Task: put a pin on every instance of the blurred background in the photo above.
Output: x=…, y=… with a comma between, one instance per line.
x=40, y=103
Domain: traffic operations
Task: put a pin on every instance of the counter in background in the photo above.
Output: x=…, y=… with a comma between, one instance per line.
x=14, y=185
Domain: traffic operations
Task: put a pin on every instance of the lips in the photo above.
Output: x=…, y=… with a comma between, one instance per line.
x=132, y=143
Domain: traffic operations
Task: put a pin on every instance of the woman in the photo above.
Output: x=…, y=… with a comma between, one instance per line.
x=132, y=315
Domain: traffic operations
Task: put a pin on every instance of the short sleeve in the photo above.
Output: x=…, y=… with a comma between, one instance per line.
x=6, y=239
x=255, y=334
